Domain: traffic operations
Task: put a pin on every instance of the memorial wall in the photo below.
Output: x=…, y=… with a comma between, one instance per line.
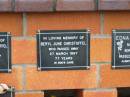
x=64, y=48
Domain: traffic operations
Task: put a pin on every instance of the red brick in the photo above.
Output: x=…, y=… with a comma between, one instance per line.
x=12, y=79
x=114, y=78
x=100, y=50
x=24, y=51
x=102, y=93
x=114, y=5
x=33, y=5
x=62, y=21
x=11, y=22
x=5, y=5
x=116, y=20
x=71, y=79
x=30, y=95
x=75, y=5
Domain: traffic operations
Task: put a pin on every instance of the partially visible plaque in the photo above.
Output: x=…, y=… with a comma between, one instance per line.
x=5, y=52
x=10, y=93
x=63, y=49
x=121, y=49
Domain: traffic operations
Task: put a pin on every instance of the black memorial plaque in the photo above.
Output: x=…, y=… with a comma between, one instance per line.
x=5, y=52
x=10, y=93
x=63, y=49
x=121, y=49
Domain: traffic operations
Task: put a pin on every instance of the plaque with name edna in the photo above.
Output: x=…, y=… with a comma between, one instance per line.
x=5, y=52
x=63, y=49
x=9, y=93
x=121, y=49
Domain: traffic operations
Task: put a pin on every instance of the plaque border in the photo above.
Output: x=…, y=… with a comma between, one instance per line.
x=39, y=66
x=9, y=69
x=114, y=32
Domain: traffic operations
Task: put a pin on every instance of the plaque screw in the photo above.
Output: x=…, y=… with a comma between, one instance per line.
x=113, y=67
x=9, y=70
x=39, y=68
x=38, y=31
x=88, y=67
x=88, y=30
x=9, y=32
x=113, y=30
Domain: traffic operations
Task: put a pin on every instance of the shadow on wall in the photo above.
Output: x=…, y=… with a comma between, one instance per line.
x=124, y=92
x=63, y=93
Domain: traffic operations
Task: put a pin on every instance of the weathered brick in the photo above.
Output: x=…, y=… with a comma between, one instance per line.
x=114, y=77
x=100, y=93
x=24, y=51
x=75, y=5
x=13, y=79
x=114, y=5
x=116, y=20
x=100, y=50
x=33, y=5
x=11, y=22
x=63, y=21
x=71, y=79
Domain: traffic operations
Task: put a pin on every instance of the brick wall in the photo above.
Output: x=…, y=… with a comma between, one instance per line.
x=99, y=81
